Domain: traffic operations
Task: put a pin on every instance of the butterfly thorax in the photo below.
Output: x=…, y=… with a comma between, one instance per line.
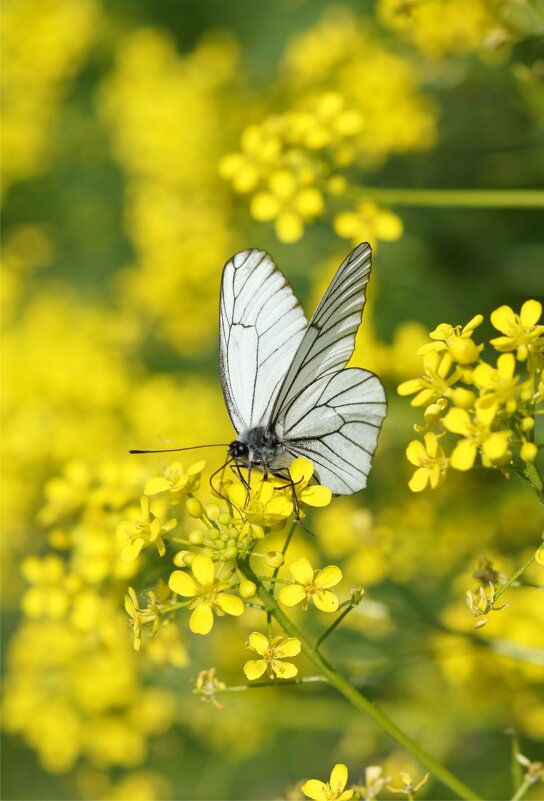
x=259, y=447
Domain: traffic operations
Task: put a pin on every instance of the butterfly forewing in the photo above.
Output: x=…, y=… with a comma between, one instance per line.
x=261, y=327
x=329, y=339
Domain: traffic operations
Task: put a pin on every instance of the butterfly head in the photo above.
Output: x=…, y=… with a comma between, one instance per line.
x=238, y=450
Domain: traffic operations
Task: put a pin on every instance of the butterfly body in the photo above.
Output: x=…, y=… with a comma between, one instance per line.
x=287, y=389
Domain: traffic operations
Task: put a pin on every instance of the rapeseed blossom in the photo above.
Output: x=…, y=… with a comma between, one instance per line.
x=310, y=584
x=207, y=593
x=333, y=790
x=272, y=654
x=491, y=410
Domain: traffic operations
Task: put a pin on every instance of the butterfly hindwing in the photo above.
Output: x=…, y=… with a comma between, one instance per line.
x=335, y=423
x=261, y=325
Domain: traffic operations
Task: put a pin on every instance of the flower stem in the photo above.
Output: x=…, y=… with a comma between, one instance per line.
x=238, y=688
x=515, y=576
x=455, y=198
x=521, y=790
x=332, y=627
x=359, y=701
x=535, y=479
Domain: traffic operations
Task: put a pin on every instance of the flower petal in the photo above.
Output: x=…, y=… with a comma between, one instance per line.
x=203, y=570
x=325, y=601
x=315, y=790
x=419, y=480
x=503, y=318
x=254, y=668
x=301, y=471
x=302, y=570
x=292, y=595
x=284, y=670
x=182, y=584
x=131, y=550
x=201, y=621
x=458, y=421
x=258, y=642
x=415, y=451
x=339, y=778
x=496, y=445
x=328, y=577
x=530, y=313
x=155, y=485
x=316, y=495
x=230, y=604
x=463, y=455
x=289, y=647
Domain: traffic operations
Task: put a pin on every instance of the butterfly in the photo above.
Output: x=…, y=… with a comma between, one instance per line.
x=286, y=385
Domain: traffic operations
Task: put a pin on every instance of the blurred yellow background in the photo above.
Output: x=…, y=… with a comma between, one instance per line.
x=139, y=142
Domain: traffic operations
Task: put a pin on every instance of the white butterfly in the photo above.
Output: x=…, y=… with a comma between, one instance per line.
x=283, y=378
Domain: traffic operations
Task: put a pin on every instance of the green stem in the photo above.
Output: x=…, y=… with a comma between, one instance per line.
x=238, y=688
x=332, y=627
x=360, y=701
x=522, y=790
x=535, y=479
x=515, y=576
x=455, y=198
x=277, y=569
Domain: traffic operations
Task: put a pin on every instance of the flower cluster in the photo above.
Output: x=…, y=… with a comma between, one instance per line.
x=490, y=408
x=375, y=781
x=296, y=165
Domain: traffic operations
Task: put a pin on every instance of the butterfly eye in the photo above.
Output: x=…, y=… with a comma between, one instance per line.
x=237, y=449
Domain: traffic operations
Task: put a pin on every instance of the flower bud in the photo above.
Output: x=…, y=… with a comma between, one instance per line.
x=193, y=507
x=213, y=512
x=247, y=589
x=463, y=398
x=230, y=553
x=527, y=424
x=274, y=559
x=464, y=350
x=180, y=559
x=528, y=451
x=196, y=537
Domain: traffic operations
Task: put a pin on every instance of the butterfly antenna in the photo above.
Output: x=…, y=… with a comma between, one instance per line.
x=190, y=448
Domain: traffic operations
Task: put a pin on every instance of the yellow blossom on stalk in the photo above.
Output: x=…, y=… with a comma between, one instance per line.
x=458, y=341
x=289, y=203
x=333, y=790
x=326, y=122
x=409, y=786
x=152, y=614
x=272, y=654
x=207, y=593
x=521, y=332
x=312, y=585
x=434, y=384
x=430, y=461
x=477, y=436
x=142, y=533
x=207, y=685
x=263, y=505
x=500, y=385
x=368, y=222
x=483, y=602
x=177, y=482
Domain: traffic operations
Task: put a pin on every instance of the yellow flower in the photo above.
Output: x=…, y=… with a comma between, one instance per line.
x=333, y=790
x=434, y=384
x=430, y=462
x=477, y=435
x=207, y=592
x=458, y=341
x=289, y=203
x=152, y=614
x=301, y=471
x=143, y=533
x=311, y=584
x=272, y=653
x=264, y=505
x=176, y=481
x=368, y=222
x=499, y=385
x=521, y=332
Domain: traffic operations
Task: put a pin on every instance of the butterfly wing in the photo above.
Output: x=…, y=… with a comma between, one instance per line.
x=335, y=423
x=261, y=325
x=322, y=411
